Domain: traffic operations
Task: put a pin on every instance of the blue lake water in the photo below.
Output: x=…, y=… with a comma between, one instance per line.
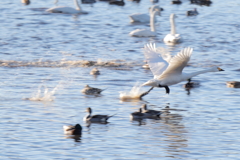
x=45, y=54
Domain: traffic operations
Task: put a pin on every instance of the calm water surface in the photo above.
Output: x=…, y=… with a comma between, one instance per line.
x=45, y=55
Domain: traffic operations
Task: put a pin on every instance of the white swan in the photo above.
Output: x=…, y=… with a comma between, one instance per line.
x=67, y=10
x=146, y=32
x=172, y=37
x=144, y=18
x=167, y=70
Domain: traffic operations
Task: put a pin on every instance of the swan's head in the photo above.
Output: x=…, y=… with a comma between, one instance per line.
x=216, y=69
x=172, y=16
x=152, y=82
x=155, y=8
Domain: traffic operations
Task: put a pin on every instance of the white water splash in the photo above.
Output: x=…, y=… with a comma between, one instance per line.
x=44, y=94
x=135, y=93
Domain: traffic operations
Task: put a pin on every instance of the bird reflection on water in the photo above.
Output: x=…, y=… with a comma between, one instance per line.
x=77, y=138
x=171, y=131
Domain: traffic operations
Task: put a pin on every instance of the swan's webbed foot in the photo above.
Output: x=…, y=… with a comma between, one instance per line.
x=167, y=89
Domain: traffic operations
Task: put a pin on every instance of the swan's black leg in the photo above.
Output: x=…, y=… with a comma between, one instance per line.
x=167, y=89
x=189, y=80
x=145, y=93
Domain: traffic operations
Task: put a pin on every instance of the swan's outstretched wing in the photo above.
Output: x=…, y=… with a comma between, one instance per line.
x=155, y=60
x=178, y=62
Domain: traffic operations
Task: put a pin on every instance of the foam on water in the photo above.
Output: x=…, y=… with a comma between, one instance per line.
x=135, y=93
x=67, y=63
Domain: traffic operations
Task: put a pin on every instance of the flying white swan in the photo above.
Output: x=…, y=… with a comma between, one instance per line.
x=146, y=32
x=172, y=37
x=144, y=18
x=67, y=10
x=167, y=70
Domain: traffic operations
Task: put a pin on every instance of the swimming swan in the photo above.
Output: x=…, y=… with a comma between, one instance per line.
x=144, y=18
x=146, y=32
x=67, y=10
x=167, y=70
x=172, y=37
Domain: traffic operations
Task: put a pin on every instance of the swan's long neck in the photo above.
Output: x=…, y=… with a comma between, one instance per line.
x=152, y=21
x=190, y=75
x=173, y=28
x=77, y=5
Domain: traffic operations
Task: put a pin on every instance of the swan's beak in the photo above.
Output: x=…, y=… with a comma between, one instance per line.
x=220, y=69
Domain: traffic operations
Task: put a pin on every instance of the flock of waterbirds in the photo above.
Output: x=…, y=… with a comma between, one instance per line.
x=166, y=69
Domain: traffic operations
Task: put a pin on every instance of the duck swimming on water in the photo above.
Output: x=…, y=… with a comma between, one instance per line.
x=73, y=130
x=95, y=118
x=192, y=12
x=91, y=90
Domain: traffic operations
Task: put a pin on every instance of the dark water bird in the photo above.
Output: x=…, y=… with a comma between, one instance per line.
x=167, y=70
x=192, y=12
x=26, y=2
x=73, y=130
x=149, y=113
x=95, y=71
x=233, y=84
x=88, y=1
x=176, y=2
x=91, y=90
x=137, y=1
x=95, y=118
x=117, y=2
x=154, y=1
x=137, y=114
x=191, y=84
x=201, y=2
